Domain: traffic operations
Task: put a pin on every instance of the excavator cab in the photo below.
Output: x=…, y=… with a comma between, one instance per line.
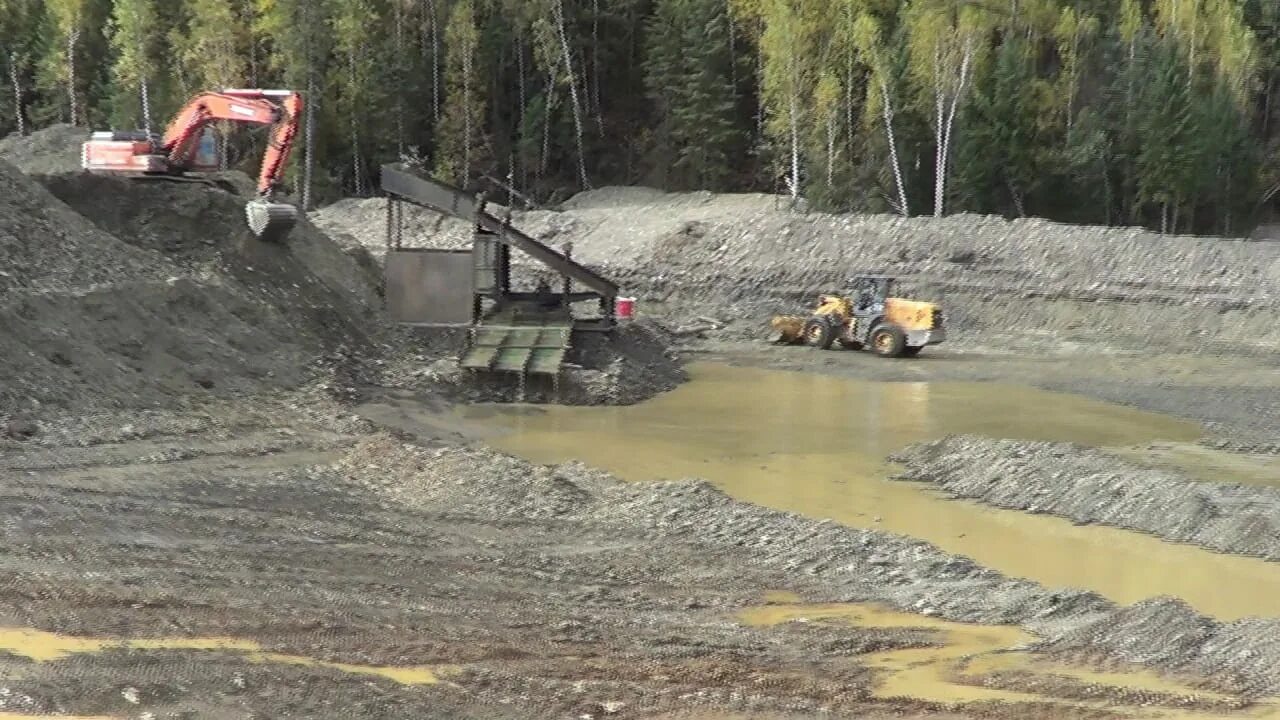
x=208, y=155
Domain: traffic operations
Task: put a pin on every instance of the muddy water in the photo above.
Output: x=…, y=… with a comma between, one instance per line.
x=816, y=445
x=46, y=647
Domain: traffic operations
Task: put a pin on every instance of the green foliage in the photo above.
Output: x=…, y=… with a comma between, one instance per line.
x=1159, y=112
x=688, y=74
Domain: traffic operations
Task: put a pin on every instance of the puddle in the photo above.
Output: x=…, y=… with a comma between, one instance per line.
x=46, y=647
x=952, y=672
x=816, y=445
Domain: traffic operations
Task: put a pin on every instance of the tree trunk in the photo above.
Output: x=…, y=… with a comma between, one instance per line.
x=73, y=102
x=435, y=62
x=893, y=148
x=595, y=62
x=356, y=172
x=831, y=149
x=15, y=80
x=733, y=52
x=795, y=146
x=548, y=106
x=523, y=102
x=398, y=9
x=467, y=120
x=309, y=141
x=573, y=94
x=944, y=150
x=939, y=166
x=146, y=107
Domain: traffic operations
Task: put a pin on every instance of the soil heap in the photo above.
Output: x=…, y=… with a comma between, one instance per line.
x=124, y=294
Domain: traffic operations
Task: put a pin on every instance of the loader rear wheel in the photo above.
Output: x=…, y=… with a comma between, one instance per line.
x=819, y=333
x=888, y=341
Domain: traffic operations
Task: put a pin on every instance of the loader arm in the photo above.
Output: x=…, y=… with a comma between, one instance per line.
x=280, y=108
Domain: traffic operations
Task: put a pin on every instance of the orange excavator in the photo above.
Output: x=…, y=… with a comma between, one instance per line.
x=189, y=145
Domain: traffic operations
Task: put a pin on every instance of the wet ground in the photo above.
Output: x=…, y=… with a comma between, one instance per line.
x=816, y=445
x=285, y=566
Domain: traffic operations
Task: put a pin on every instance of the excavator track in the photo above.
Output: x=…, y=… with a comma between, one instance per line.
x=270, y=222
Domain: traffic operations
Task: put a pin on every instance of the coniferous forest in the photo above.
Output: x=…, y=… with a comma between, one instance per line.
x=1153, y=112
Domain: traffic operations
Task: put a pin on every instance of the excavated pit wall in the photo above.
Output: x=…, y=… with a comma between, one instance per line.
x=739, y=258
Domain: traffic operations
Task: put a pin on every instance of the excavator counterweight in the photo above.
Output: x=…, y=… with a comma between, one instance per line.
x=188, y=146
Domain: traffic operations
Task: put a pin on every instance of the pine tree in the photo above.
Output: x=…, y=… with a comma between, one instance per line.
x=998, y=156
x=688, y=73
x=1165, y=123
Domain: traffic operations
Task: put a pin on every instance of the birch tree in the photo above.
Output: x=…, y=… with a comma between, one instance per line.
x=867, y=39
x=19, y=31
x=69, y=24
x=789, y=59
x=945, y=40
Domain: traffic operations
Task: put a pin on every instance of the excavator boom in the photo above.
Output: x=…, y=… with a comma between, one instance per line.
x=178, y=151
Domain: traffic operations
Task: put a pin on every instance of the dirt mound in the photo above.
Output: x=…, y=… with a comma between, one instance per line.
x=130, y=293
x=46, y=246
x=49, y=151
x=1090, y=486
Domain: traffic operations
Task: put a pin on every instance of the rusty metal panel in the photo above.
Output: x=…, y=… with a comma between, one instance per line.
x=429, y=286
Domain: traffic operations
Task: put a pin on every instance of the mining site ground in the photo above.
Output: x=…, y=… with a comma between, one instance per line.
x=231, y=490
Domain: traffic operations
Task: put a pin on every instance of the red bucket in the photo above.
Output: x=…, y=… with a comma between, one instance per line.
x=625, y=308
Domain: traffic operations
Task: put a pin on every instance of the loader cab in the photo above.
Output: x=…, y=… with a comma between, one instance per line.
x=870, y=292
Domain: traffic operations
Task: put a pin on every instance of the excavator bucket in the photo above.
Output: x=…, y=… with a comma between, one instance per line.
x=270, y=222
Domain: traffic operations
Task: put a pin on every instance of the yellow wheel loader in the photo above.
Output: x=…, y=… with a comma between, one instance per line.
x=871, y=318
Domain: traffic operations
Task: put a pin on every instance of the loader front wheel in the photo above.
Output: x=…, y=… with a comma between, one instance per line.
x=888, y=341
x=819, y=333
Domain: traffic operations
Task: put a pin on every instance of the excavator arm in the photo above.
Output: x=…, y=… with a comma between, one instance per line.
x=279, y=108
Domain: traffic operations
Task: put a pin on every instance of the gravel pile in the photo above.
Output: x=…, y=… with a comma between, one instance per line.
x=1091, y=486
x=1240, y=656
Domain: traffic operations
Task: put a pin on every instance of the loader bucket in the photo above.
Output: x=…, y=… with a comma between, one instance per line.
x=787, y=329
x=270, y=222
